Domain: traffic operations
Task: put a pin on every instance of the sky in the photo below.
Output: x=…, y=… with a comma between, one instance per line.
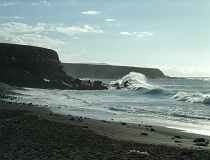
x=172, y=35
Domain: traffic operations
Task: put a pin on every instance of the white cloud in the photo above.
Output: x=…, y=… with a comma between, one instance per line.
x=125, y=33
x=21, y=33
x=45, y=3
x=109, y=20
x=68, y=55
x=71, y=1
x=75, y=37
x=6, y=4
x=91, y=12
x=137, y=34
x=77, y=29
x=66, y=58
x=185, y=71
x=16, y=27
x=37, y=40
x=141, y=34
x=15, y=32
x=33, y=4
x=12, y=17
x=189, y=69
x=33, y=39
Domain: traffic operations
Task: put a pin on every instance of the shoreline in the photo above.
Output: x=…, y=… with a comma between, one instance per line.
x=111, y=117
x=153, y=137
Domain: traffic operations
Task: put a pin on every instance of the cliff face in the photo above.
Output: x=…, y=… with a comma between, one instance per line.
x=30, y=66
x=108, y=71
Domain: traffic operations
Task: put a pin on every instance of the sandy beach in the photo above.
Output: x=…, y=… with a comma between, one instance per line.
x=29, y=132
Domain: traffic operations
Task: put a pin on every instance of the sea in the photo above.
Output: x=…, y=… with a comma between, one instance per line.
x=182, y=103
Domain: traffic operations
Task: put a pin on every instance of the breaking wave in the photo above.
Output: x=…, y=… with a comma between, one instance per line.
x=137, y=82
x=192, y=97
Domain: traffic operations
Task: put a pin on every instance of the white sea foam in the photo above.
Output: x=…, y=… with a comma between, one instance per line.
x=133, y=81
x=147, y=104
x=192, y=97
x=138, y=82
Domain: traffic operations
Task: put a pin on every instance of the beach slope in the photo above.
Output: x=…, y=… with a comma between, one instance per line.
x=29, y=132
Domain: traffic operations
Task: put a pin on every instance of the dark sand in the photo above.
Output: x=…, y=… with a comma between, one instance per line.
x=28, y=132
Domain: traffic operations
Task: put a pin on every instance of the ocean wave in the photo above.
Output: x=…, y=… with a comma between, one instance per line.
x=132, y=81
x=206, y=79
x=189, y=116
x=192, y=97
x=137, y=82
x=157, y=91
x=117, y=109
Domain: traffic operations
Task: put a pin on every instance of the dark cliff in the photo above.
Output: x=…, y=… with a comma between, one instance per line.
x=29, y=66
x=108, y=71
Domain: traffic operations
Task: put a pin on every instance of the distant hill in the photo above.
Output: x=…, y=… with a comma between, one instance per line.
x=103, y=71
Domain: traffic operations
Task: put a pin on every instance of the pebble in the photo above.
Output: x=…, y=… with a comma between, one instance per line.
x=56, y=141
x=80, y=119
x=84, y=126
x=152, y=129
x=56, y=115
x=148, y=126
x=144, y=134
x=201, y=143
x=199, y=140
x=73, y=119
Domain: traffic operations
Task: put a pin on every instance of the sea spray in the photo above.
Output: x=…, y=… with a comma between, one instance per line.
x=132, y=81
x=138, y=82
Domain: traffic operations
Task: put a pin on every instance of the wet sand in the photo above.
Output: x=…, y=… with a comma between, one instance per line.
x=28, y=132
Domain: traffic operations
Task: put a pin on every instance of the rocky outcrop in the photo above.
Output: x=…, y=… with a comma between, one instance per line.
x=6, y=90
x=29, y=66
x=108, y=71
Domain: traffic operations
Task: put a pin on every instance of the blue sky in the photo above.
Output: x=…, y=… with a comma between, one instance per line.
x=173, y=36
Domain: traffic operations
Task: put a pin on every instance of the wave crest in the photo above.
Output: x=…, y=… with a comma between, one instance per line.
x=132, y=81
x=192, y=97
x=137, y=82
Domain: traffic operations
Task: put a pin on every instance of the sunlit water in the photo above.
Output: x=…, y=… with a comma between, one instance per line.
x=176, y=103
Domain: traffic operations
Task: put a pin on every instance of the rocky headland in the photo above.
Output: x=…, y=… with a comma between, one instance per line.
x=29, y=66
x=108, y=71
